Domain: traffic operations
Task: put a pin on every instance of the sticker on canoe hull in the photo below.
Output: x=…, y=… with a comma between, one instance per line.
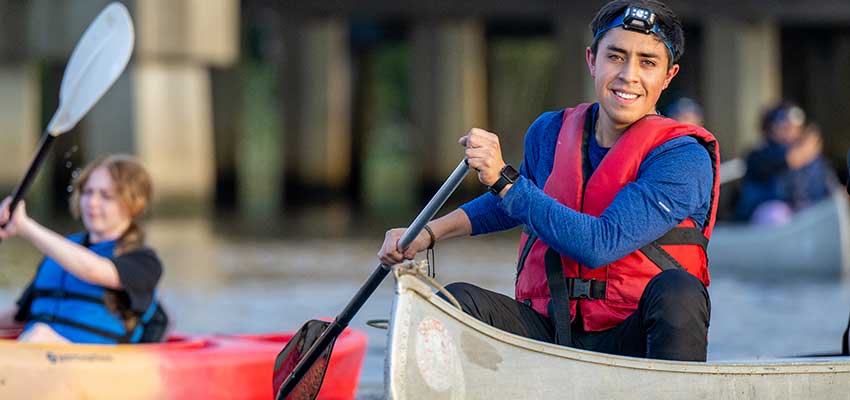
x=436, y=355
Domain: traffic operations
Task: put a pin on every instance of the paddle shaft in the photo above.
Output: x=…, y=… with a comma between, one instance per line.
x=341, y=322
x=43, y=149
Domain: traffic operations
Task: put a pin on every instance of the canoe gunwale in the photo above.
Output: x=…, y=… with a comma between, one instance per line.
x=410, y=289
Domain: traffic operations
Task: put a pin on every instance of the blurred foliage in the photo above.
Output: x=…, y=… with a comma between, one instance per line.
x=522, y=76
x=388, y=185
x=260, y=146
x=390, y=77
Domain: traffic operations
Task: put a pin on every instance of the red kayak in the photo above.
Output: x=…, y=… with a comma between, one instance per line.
x=186, y=367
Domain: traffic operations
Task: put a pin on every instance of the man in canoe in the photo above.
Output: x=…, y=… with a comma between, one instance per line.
x=617, y=203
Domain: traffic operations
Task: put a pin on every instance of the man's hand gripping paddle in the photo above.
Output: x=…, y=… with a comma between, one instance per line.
x=96, y=62
x=300, y=368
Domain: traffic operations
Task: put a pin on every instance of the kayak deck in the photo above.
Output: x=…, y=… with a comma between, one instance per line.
x=185, y=367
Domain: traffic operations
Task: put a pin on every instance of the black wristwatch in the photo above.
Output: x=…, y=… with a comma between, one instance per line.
x=507, y=176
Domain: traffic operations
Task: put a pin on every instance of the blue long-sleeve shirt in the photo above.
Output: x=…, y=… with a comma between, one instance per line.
x=674, y=182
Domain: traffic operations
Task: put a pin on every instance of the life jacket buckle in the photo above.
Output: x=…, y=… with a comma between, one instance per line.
x=580, y=288
x=590, y=289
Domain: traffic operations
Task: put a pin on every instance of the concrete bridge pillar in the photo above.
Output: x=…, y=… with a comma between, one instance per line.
x=19, y=121
x=742, y=77
x=20, y=100
x=160, y=109
x=573, y=80
x=450, y=91
x=833, y=99
x=317, y=97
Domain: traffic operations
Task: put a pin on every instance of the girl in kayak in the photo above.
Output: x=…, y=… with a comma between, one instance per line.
x=97, y=286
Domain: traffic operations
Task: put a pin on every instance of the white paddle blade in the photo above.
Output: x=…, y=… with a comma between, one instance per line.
x=96, y=62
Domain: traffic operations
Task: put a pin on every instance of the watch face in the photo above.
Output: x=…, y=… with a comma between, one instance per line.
x=510, y=173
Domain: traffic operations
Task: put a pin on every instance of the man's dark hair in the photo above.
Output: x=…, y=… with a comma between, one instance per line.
x=665, y=18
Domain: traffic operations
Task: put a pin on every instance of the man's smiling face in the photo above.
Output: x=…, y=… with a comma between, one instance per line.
x=630, y=70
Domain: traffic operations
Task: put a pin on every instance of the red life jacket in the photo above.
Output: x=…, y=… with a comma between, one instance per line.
x=618, y=286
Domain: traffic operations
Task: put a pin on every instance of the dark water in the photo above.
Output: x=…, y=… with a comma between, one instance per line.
x=216, y=284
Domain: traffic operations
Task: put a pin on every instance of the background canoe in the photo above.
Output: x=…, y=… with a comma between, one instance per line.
x=437, y=352
x=187, y=367
x=815, y=243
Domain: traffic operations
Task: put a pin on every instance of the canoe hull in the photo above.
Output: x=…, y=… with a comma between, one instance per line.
x=213, y=367
x=437, y=352
x=815, y=244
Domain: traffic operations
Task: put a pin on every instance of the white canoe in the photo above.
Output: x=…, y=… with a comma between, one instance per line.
x=815, y=243
x=437, y=352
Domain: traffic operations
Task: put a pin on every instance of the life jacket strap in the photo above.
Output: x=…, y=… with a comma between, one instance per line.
x=48, y=319
x=660, y=257
x=559, y=303
x=529, y=243
x=63, y=294
x=676, y=236
x=684, y=236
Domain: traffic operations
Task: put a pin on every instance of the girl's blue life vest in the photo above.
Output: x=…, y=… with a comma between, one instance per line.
x=77, y=309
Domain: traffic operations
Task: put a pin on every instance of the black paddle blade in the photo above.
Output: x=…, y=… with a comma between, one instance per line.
x=288, y=358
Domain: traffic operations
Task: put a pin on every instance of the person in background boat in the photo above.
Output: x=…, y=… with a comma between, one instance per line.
x=787, y=172
x=686, y=111
x=617, y=204
x=97, y=286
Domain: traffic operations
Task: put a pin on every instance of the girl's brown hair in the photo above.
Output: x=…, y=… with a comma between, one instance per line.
x=132, y=186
